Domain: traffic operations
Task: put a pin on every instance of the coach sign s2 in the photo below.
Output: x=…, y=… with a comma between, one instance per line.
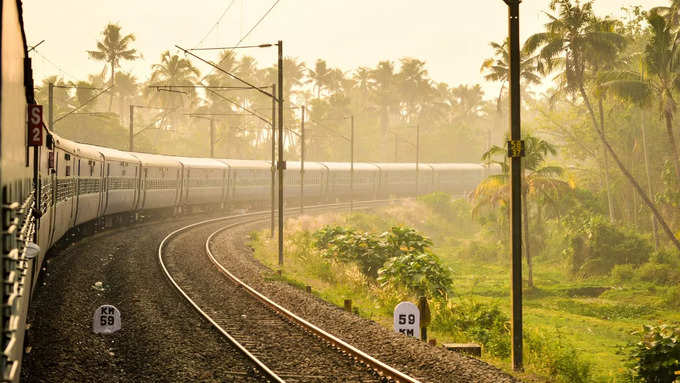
x=35, y=124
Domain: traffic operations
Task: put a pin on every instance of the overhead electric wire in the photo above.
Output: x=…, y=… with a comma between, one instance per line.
x=82, y=105
x=216, y=24
x=258, y=23
x=240, y=106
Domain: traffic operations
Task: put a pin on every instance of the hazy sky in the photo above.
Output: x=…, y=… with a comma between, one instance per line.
x=451, y=36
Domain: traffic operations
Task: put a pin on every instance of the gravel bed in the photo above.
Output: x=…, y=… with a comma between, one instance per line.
x=290, y=352
x=162, y=339
x=409, y=355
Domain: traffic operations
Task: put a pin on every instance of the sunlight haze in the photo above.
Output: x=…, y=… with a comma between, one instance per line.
x=452, y=37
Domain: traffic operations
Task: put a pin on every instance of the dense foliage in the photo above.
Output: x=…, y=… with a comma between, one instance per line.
x=400, y=257
x=596, y=246
x=656, y=357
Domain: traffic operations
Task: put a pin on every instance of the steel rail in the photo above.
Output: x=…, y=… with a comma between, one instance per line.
x=380, y=367
x=231, y=339
x=267, y=371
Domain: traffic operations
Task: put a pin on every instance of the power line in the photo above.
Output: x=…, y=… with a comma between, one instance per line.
x=216, y=24
x=258, y=23
x=63, y=72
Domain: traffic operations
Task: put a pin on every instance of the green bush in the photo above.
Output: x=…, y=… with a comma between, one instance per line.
x=480, y=322
x=596, y=246
x=656, y=357
x=672, y=297
x=419, y=273
x=547, y=351
x=658, y=274
x=623, y=273
x=367, y=250
x=326, y=234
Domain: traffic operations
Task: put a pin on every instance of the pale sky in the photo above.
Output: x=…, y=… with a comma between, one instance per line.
x=451, y=36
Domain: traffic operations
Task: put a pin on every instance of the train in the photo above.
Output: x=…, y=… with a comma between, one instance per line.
x=63, y=188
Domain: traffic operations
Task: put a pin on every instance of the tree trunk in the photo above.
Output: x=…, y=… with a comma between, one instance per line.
x=627, y=174
x=671, y=138
x=610, y=204
x=649, y=179
x=525, y=229
x=111, y=88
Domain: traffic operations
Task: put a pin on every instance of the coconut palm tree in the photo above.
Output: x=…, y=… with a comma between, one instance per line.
x=497, y=68
x=173, y=70
x=415, y=88
x=385, y=89
x=319, y=76
x=663, y=80
x=570, y=42
x=540, y=184
x=113, y=48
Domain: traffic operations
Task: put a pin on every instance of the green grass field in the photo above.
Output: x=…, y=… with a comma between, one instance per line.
x=594, y=316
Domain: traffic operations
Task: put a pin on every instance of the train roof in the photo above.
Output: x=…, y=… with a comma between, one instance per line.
x=113, y=154
x=309, y=165
x=157, y=160
x=346, y=166
x=204, y=163
x=396, y=166
x=76, y=148
x=457, y=166
x=247, y=164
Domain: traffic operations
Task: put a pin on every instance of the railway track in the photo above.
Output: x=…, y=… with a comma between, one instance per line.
x=282, y=346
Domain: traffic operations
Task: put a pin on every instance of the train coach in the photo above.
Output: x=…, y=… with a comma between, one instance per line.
x=82, y=188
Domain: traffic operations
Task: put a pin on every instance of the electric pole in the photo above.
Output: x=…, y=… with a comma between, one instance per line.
x=417, y=158
x=50, y=107
x=132, y=115
x=273, y=181
x=302, y=160
x=351, y=169
x=515, y=151
x=281, y=164
x=212, y=138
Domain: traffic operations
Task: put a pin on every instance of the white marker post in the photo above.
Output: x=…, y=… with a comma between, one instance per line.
x=106, y=320
x=407, y=319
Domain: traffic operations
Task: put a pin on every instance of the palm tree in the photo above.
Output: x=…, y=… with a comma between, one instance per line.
x=414, y=86
x=663, y=69
x=173, y=70
x=112, y=49
x=571, y=42
x=497, y=68
x=319, y=76
x=384, y=79
x=540, y=182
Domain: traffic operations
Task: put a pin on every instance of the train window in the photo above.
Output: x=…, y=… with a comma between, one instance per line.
x=68, y=170
x=67, y=156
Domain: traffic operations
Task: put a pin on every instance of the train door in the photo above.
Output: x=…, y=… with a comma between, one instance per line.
x=76, y=202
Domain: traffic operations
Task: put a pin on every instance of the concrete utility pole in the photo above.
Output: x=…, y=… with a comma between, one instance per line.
x=516, y=152
x=132, y=116
x=50, y=106
x=212, y=138
x=351, y=169
x=273, y=182
x=281, y=164
x=417, y=159
x=302, y=160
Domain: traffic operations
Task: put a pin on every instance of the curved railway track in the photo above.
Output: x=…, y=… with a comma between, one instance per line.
x=283, y=346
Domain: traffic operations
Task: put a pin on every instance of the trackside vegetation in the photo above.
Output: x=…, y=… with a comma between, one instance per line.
x=596, y=285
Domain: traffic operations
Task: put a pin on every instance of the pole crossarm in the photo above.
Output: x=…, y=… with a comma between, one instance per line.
x=240, y=106
x=208, y=87
x=81, y=106
x=225, y=72
x=234, y=47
